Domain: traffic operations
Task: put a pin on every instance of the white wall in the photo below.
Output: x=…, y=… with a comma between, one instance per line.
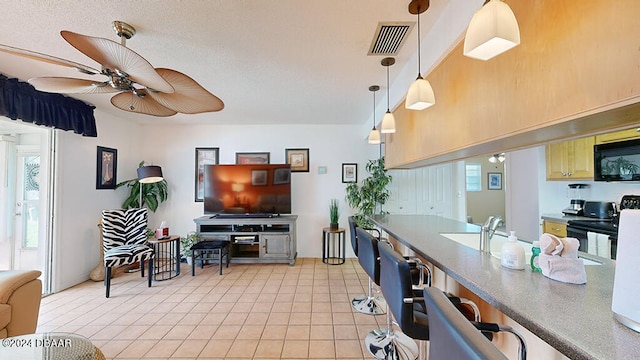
x=78, y=204
x=173, y=148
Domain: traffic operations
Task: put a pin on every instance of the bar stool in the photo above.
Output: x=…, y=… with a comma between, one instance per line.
x=365, y=304
x=452, y=336
x=406, y=303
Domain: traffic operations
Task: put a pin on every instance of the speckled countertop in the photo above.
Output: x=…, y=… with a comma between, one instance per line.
x=574, y=319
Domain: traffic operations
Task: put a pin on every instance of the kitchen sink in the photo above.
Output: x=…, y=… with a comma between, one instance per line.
x=472, y=240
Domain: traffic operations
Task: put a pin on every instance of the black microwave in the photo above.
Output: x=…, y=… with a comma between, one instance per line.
x=617, y=161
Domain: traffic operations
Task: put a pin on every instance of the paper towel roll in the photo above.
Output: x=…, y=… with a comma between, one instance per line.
x=625, y=285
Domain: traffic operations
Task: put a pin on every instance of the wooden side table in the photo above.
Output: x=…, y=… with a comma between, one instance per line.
x=333, y=246
x=167, y=257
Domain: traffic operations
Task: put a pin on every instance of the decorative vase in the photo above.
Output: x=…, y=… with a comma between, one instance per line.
x=189, y=260
x=333, y=226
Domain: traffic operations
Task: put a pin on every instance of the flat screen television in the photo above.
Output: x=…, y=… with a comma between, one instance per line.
x=252, y=189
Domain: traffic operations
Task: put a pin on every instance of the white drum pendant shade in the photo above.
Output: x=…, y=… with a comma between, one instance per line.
x=492, y=31
x=388, y=125
x=420, y=95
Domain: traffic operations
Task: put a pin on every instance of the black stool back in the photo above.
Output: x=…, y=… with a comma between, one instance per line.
x=352, y=234
x=397, y=285
x=452, y=336
x=368, y=254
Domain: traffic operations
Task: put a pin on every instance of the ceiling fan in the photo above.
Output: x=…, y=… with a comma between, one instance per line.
x=141, y=88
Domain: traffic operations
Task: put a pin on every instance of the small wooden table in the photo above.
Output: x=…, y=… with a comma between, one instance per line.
x=167, y=256
x=333, y=246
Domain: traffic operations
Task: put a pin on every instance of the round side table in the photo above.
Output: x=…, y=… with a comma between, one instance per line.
x=333, y=247
x=167, y=256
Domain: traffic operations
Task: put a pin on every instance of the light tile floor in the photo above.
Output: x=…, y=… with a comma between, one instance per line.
x=271, y=311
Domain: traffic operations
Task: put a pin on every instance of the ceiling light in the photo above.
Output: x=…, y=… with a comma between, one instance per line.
x=492, y=31
x=374, y=135
x=388, y=125
x=497, y=157
x=420, y=95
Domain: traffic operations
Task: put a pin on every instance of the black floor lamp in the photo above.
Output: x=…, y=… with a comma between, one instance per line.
x=148, y=175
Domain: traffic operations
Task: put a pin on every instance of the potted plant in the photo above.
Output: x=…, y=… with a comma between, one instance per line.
x=369, y=197
x=334, y=214
x=623, y=167
x=152, y=194
x=186, y=242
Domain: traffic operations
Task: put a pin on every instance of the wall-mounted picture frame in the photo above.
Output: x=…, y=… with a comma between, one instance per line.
x=106, y=168
x=204, y=156
x=259, y=177
x=349, y=172
x=281, y=176
x=298, y=159
x=494, y=181
x=252, y=157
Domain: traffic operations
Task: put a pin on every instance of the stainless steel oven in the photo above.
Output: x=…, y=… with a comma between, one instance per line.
x=598, y=238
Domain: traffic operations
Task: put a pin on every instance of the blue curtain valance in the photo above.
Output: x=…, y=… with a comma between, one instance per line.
x=20, y=100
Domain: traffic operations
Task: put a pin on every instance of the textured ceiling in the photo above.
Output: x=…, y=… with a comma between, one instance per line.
x=270, y=61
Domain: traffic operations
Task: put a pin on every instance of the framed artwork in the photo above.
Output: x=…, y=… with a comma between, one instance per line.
x=298, y=159
x=204, y=156
x=281, y=176
x=106, y=168
x=349, y=173
x=252, y=158
x=259, y=177
x=495, y=181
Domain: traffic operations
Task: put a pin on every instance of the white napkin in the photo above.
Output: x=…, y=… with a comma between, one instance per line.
x=559, y=259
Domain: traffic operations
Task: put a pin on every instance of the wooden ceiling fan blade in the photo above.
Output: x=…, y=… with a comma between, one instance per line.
x=70, y=85
x=128, y=101
x=114, y=56
x=189, y=96
x=48, y=59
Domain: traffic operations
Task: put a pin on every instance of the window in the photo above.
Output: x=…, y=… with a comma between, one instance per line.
x=473, y=176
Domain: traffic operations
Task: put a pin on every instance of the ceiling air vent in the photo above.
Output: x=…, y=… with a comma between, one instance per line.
x=389, y=37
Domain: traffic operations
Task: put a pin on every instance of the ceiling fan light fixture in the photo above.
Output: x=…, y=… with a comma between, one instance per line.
x=126, y=73
x=493, y=30
x=128, y=101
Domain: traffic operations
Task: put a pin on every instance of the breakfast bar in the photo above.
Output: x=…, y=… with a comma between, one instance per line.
x=576, y=320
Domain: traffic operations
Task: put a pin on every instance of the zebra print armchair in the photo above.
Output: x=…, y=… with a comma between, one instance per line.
x=124, y=234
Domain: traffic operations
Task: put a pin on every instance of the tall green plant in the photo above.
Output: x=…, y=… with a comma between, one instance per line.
x=369, y=197
x=334, y=211
x=152, y=194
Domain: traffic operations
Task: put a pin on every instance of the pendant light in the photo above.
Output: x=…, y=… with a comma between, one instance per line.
x=374, y=135
x=420, y=95
x=388, y=125
x=492, y=31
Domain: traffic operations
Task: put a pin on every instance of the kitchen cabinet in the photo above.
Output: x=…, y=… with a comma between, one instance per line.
x=629, y=134
x=570, y=160
x=555, y=228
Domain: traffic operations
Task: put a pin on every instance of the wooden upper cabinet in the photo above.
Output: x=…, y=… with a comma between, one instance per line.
x=623, y=135
x=570, y=160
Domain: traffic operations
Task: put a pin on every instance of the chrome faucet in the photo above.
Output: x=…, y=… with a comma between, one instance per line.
x=488, y=230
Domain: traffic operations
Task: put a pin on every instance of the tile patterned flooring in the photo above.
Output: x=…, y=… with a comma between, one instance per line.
x=272, y=311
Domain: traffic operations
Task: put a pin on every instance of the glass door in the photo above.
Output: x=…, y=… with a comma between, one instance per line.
x=26, y=169
x=27, y=210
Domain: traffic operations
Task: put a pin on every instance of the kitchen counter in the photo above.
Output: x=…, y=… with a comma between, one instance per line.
x=574, y=319
x=562, y=218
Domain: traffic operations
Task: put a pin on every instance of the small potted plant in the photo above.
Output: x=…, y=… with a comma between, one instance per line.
x=186, y=242
x=334, y=214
